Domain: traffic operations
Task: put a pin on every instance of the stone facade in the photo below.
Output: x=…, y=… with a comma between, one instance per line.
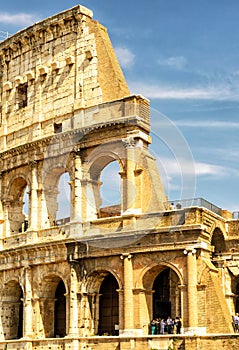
x=73, y=283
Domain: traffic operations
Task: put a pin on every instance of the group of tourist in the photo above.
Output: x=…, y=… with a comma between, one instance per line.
x=170, y=325
x=236, y=322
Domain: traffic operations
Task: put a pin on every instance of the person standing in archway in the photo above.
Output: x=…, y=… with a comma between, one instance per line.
x=178, y=325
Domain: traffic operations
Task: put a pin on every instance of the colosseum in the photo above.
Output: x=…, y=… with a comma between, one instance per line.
x=97, y=276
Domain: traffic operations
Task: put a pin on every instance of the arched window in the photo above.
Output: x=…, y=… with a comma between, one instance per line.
x=60, y=310
x=108, y=306
x=17, y=210
x=63, y=199
x=53, y=307
x=25, y=209
x=218, y=242
x=161, y=296
x=12, y=311
x=166, y=297
x=110, y=190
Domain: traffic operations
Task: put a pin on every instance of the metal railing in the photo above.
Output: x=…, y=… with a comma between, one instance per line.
x=194, y=202
x=4, y=35
x=235, y=215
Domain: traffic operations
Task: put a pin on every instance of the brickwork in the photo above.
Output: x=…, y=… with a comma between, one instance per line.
x=81, y=281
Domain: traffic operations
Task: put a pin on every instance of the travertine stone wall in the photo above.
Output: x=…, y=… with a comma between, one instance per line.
x=66, y=108
x=55, y=67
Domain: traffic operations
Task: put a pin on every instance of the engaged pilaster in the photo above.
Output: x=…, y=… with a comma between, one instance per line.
x=192, y=304
x=77, y=200
x=27, y=324
x=33, y=219
x=128, y=301
x=73, y=303
x=129, y=179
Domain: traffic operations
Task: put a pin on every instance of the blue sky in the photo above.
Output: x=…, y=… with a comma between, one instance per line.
x=184, y=57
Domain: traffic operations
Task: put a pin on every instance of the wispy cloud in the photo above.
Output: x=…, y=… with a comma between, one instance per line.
x=175, y=62
x=176, y=167
x=208, y=124
x=125, y=57
x=21, y=19
x=218, y=93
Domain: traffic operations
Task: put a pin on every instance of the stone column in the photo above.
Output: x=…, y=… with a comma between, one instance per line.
x=1, y=208
x=141, y=310
x=128, y=303
x=27, y=314
x=121, y=310
x=73, y=303
x=90, y=198
x=129, y=187
x=6, y=226
x=33, y=219
x=77, y=195
x=192, y=291
x=1, y=214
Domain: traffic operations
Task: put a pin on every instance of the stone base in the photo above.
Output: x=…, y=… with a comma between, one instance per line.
x=194, y=330
x=130, y=332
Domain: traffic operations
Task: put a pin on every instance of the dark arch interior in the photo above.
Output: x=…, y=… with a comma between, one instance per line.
x=60, y=310
x=218, y=242
x=20, y=320
x=161, y=296
x=237, y=298
x=108, y=306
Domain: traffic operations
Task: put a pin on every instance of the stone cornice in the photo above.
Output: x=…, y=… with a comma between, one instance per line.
x=39, y=147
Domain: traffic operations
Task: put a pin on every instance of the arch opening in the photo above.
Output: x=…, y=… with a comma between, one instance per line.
x=12, y=311
x=110, y=194
x=108, y=306
x=60, y=310
x=18, y=210
x=53, y=307
x=218, y=242
x=63, y=199
x=57, y=193
x=165, y=298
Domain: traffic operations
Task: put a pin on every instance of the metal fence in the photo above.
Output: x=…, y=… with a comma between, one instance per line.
x=194, y=202
x=235, y=215
x=4, y=35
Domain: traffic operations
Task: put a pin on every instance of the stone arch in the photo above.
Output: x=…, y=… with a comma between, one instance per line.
x=151, y=271
x=162, y=284
x=96, y=276
x=97, y=161
x=12, y=310
x=218, y=226
x=218, y=242
x=14, y=205
x=103, y=298
x=53, y=305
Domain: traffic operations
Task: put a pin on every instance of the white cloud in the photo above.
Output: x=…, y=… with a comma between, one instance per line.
x=125, y=57
x=209, y=169
x=21, y=19
x=207, y=124
x=176, y=62
x=218, y=93
x=176, y=167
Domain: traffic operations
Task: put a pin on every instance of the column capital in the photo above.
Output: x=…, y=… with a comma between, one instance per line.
x=126, y=255
x=129, y=142
x=32, y=164
x=77, y=153
x=190, y=251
